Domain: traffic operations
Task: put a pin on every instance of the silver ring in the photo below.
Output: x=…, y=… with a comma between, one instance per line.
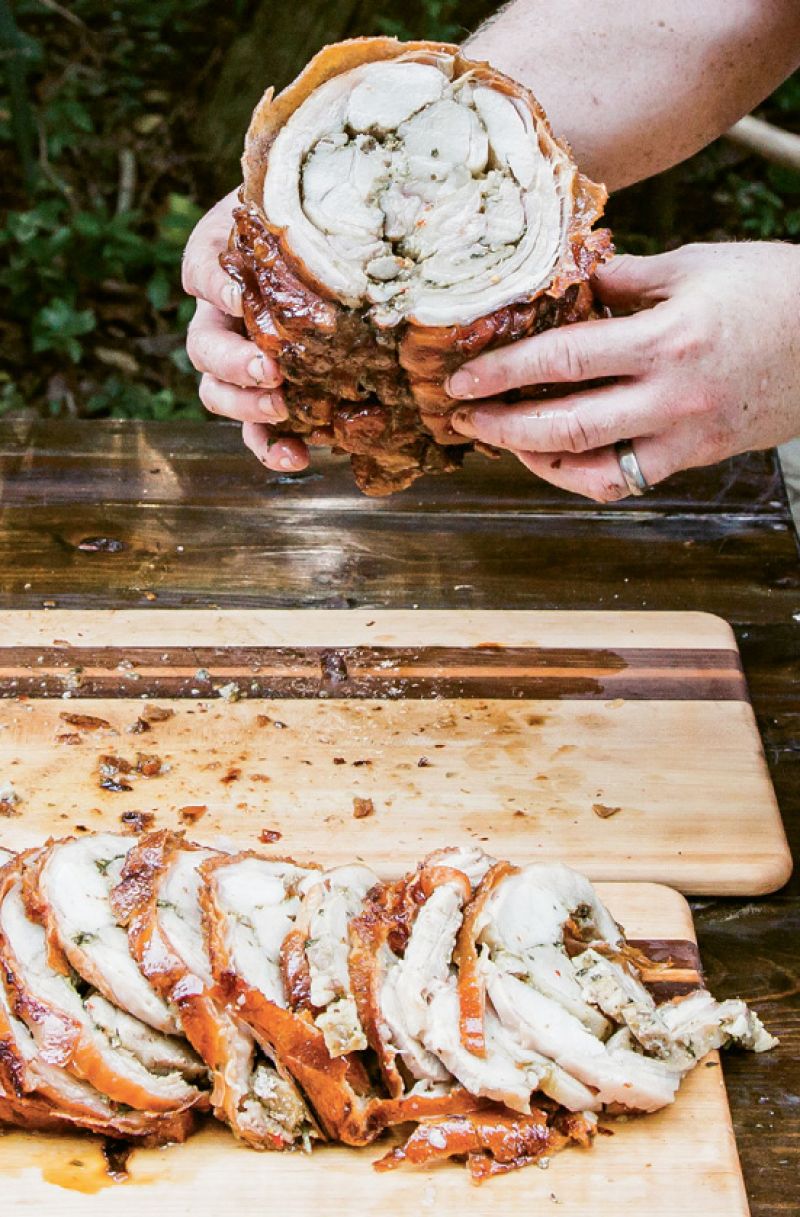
x=630, y=468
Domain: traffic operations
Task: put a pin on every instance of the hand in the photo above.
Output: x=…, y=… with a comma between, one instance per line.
x=239, y=381
x=705, y=366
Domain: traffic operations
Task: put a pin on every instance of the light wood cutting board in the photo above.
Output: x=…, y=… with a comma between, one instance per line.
x=622, y=743
x=678, y=1161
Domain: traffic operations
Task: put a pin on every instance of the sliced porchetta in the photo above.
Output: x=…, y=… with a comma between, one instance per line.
x=158, y=899
x=69, y=889
x=379, y=939
x=523, y=924
x=678, y=1032
x=315, y=954
x=403, y=208
x=36, y=1094
x=48, y=997
x=419, y=1000
x=544, y=998
x=617, y=1075
x=699, y=1024
x=250, y=904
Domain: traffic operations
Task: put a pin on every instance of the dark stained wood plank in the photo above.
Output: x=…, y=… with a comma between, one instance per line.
x=119, y=461
x=745, y=569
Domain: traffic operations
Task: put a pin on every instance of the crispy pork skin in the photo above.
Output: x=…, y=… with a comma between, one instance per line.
x=48, y=1001
x=403, y=209
x=71, y=892
x=497, y=1009
x=158, y=899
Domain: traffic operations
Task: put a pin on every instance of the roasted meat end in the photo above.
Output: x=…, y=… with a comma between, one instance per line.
x=403, y=208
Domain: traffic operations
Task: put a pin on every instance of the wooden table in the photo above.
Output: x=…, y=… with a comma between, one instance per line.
x=203, y=524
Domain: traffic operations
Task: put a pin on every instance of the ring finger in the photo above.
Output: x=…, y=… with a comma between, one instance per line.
x=597, y=474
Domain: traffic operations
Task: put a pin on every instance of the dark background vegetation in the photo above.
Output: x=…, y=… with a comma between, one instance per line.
x=120, y=123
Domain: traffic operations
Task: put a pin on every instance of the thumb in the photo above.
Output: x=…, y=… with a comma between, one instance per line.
x=629, y=282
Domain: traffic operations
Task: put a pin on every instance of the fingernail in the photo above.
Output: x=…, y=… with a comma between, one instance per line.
x=232, y=299
x=461, y=384
x=286, y=462
x=257, y=371
x=271, y=408
x=461, y=420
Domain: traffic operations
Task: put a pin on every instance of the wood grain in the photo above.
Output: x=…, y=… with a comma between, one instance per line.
x=657, y=1165
x=544, y=752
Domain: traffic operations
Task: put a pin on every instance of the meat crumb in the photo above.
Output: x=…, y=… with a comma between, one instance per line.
x=192, y=813
x=149, y=764
x=156, y=714
x=264, y=720
x=69, y=737
x=110, y=765
x=233, y=775
x=423, y=763
x=138, y=821
x=339, y=760
x=268, y=835
x=88, y=722
x=9, y=801
x=363, y=808
x=139, y=726
x=604, y=812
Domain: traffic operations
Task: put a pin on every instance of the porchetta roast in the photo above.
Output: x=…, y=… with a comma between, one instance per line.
x=492, y=1010
x=403, y=209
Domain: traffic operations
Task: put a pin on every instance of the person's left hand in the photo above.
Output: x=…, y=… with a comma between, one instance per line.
x=705, y=366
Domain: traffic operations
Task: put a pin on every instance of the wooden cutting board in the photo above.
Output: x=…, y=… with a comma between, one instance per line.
x=665, y=1165
x=622, y=743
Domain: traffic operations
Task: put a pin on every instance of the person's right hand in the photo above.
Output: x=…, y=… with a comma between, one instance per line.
x=239, y=381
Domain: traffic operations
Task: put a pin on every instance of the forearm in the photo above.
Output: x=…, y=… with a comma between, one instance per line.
x=636, y=87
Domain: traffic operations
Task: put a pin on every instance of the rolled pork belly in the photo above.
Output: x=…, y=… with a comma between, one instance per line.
x=403, y=208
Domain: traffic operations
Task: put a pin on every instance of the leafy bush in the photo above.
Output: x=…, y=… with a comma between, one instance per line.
x=101, y=188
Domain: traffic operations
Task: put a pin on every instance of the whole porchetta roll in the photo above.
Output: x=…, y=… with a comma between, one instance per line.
x=403, y=209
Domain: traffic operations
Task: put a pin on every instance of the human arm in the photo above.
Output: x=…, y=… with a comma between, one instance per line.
x=636, y=88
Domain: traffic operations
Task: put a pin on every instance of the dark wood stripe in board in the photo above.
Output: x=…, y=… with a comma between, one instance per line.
x=684, y=973
x=398, y=673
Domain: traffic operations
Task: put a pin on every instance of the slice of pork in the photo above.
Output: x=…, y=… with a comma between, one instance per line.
x=51, y=1005
x=159, y=899
x=330, y=900
x=75, y=881
x=618, y=1075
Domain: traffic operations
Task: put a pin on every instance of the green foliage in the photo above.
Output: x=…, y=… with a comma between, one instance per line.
x=768, y=209
x=118, y=398
x=58, y=326
x=91, y=237
x=431, y=19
